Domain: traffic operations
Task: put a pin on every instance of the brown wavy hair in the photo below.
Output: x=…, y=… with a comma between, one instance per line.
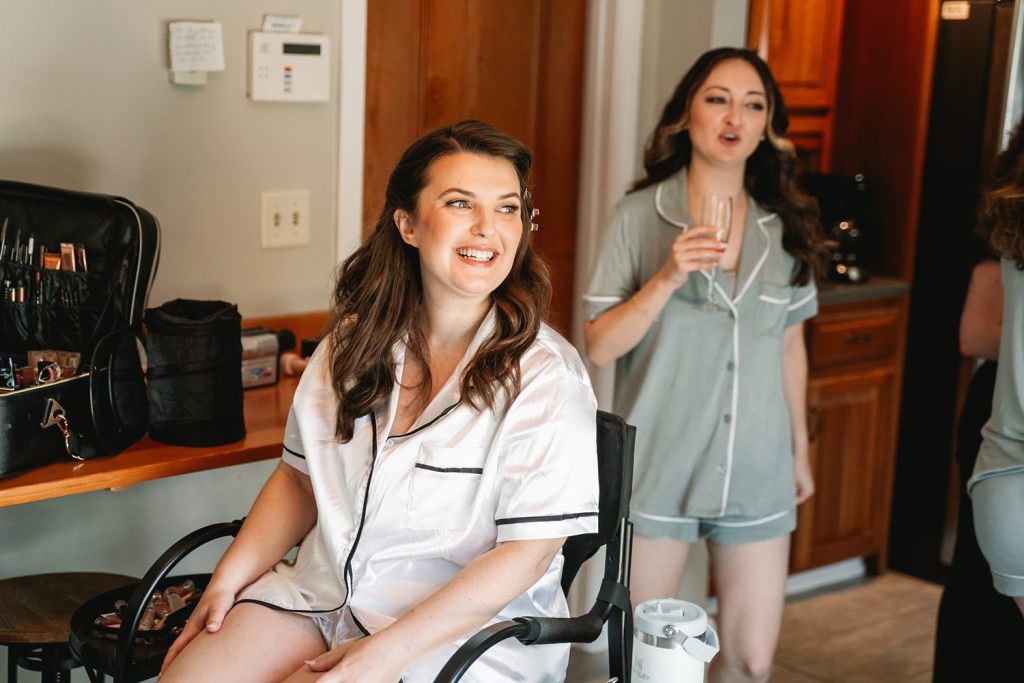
x=378, y=299
x=770, y=176
x=1001, y=215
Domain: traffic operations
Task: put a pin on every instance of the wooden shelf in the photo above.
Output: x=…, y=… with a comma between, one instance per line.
x=266, y=410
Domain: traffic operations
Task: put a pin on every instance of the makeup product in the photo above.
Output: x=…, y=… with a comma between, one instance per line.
x=51, y=261
x=16, y=254
x=19, y=290
x=67, y=256
x=3, y=240
x=68, y=361
x=39, y=287
x=30, y=252
x=80, y=258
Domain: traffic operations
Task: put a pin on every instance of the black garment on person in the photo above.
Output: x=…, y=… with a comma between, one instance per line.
x=980, y=634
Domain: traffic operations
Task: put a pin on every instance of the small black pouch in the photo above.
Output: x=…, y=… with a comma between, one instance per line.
x=195, y=378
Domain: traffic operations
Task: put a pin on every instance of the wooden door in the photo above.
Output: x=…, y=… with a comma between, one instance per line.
x=516, y=65
x=851, y=422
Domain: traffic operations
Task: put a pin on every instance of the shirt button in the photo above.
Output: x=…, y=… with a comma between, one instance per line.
x=721, y=469
x=730, y=366
x=727, y=418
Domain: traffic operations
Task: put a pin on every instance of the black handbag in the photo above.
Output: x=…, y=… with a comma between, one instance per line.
x=96, y=311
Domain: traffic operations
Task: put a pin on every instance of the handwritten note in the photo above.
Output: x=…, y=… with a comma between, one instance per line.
x=196, y=46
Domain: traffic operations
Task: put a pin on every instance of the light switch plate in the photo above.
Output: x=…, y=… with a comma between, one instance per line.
x=284, y=219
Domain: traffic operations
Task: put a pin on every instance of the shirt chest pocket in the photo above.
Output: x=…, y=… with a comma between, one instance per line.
x=443, y=486
x=772, y=307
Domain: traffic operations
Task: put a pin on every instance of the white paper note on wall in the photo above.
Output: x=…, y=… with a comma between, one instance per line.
x=196, y=46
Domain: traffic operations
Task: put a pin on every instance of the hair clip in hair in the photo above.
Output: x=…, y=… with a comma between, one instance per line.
x=533, y=226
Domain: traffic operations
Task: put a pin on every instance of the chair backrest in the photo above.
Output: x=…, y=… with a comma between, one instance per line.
x=615, y=473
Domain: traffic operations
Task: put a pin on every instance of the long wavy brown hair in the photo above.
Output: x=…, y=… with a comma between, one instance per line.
x=1001, y=215
x=770, y=176
x=378, y=299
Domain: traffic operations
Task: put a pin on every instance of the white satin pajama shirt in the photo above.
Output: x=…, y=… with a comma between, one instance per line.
x=396, y=523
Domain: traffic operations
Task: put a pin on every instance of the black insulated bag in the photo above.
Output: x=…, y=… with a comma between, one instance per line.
x=195, y=380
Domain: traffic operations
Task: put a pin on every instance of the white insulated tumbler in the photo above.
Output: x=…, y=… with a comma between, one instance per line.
x=672, y=642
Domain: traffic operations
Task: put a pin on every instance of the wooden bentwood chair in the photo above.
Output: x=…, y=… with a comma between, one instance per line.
x=132, y=657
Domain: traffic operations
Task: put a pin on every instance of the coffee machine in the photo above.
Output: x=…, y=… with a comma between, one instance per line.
x=844, y=206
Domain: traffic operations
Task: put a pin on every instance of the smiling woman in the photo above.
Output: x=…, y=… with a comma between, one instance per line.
x=440, y=447
x=467, y=228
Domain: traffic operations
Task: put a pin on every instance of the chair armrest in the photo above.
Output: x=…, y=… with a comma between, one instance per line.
x=528, y=630
x=544, y=630
x=160, y=569
x=479, y=643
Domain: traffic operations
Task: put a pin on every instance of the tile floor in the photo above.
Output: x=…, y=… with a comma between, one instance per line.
x=880, y=629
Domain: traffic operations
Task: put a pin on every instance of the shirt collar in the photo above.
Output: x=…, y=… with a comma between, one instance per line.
x=670, y=200
x=449, y=395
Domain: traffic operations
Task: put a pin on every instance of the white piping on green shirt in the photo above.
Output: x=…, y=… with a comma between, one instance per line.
x=734, y=420
x=807, y=298
x=661, y=211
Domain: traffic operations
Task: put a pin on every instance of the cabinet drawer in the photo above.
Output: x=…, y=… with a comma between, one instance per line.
x=844, y=338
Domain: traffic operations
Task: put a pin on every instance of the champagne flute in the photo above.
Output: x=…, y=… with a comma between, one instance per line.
x=716, y=212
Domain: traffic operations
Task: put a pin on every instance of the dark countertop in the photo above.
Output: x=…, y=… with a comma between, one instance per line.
x=877, y=287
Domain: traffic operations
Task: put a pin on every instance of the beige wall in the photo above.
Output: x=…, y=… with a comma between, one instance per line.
x=89, y=106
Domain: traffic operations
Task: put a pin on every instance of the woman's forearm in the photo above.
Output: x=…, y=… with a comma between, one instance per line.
x=619, y=329
x=471, y=599
x=282, y=515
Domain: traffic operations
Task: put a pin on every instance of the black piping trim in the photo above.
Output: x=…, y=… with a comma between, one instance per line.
x=543, y=518
x=289, y=609
x=456, y=470
x=358, y=623
x=347, y=573
x=295, y=453
x=424, y=426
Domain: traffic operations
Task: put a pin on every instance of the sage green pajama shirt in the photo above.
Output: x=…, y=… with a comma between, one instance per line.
x=705, y=389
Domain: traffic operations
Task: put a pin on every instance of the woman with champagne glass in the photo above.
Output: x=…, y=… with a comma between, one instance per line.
x=705, y=322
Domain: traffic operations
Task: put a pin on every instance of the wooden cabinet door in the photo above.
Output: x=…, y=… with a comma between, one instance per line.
x=851, y=419
x=812, y=135
x=516, y=65
x=801, y=40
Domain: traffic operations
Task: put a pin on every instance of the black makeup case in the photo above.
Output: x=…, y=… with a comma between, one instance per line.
x=92, y=305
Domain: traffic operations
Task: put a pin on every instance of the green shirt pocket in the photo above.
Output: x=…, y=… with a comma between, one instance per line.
x=772, y=306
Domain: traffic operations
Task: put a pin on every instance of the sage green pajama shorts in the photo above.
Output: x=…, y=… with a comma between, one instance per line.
x=999, y=523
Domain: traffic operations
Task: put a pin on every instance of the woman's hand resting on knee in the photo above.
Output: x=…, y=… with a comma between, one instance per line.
x=367, y=660
x=208, y=615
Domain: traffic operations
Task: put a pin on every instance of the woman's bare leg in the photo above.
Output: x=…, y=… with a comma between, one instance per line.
x=657, y=568
x=750, y=579
x=256, y=644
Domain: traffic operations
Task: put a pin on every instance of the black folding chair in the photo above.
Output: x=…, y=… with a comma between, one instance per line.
x=615, y=532
x=132, y=657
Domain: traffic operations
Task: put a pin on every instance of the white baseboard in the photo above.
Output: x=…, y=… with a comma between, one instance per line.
x=822, y=577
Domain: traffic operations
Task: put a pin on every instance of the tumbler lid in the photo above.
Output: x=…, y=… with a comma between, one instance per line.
x=653, y=616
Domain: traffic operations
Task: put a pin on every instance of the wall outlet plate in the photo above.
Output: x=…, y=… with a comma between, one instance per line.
x=284, y=219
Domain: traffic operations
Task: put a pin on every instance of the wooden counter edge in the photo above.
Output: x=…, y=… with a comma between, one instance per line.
x=266, y=411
